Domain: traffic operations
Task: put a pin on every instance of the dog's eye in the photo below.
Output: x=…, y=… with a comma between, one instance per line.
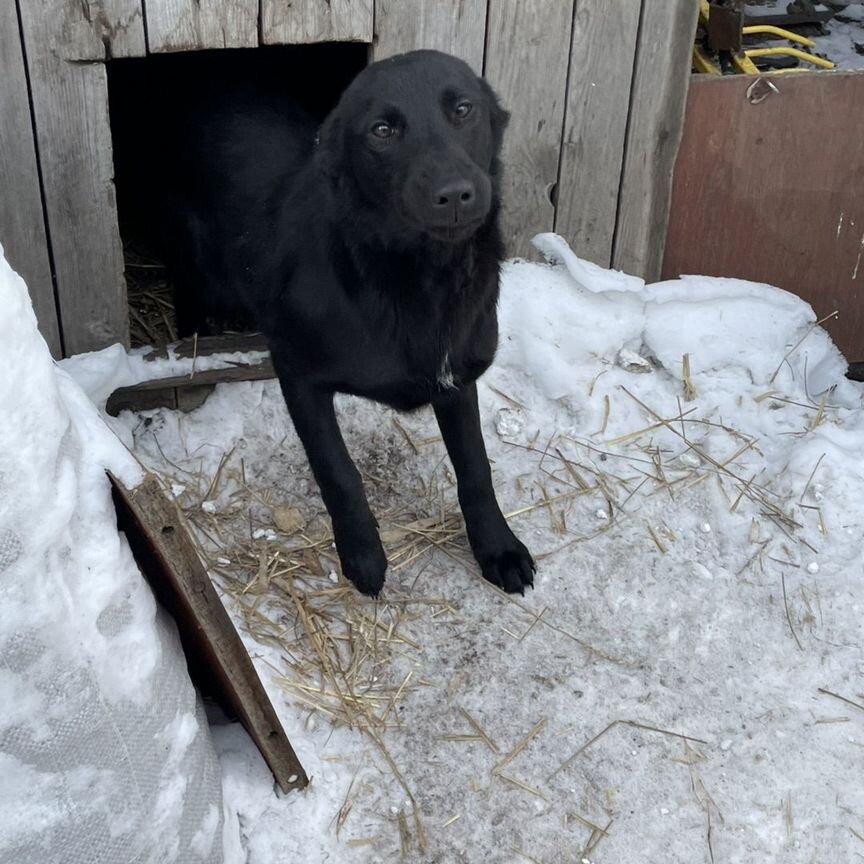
x=463, y=109
x=382, y=130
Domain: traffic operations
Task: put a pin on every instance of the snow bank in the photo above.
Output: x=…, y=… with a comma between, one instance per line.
x=556, y=318
x=104, y=750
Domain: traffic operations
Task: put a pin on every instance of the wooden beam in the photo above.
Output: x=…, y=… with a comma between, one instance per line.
x=193, y=25
x=598, y=99
x=453, y=26
x=660, y=81
x=525, y=49
x=184, y=391
x=70, y=105
x=218, y=662
x=22, y=222
x=304, y=21
x=95, y=30
x=204, y=346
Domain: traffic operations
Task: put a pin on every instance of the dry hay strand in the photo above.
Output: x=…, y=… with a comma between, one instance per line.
x=151, y=300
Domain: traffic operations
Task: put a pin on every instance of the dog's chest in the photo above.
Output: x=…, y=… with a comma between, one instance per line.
x=426, y=329
x=420, y=353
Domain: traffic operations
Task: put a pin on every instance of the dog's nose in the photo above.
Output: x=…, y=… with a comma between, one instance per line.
x=457, y=199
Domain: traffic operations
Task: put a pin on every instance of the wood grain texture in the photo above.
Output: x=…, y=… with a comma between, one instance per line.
x=70, y=104
x=178, y=390
x=598, y=100
x=96, y=29
x=22, y=223
x=454, y=26
x=659, y=92
x=217, y=660
x=191, y=25
x=295, y=22
x=773, y=192
x=205, y=346
x=526, y=49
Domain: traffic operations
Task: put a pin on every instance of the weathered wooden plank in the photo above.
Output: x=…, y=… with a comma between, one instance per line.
x=22, y=223
x=70, y=103
x=295, y=22
x=659, y=92
x=191, y=25
x=204, y=346
x=454, y=26
x=602, y=51
x=218, y=662
x=96, y=29
x=177, y=390
x=526, y=50
x=772, y=192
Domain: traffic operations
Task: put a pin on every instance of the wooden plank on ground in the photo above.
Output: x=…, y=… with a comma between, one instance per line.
x=22, y=223
x=218, y=662
x=772, y=192
x=598, y=100
x=70, y=104
x=297, y=22
x=453, y=26
x=192, y=25
x=526, y=49
x=184, y=391
x=204, y=346
x=660, y=80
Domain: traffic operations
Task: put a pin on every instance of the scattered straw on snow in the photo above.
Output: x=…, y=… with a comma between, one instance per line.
x=280, y=574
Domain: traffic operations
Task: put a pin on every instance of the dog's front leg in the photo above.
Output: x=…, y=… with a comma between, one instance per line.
x=354, y=527
x=503, y=559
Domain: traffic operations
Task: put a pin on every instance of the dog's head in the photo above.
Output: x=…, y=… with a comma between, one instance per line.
x=415, y=141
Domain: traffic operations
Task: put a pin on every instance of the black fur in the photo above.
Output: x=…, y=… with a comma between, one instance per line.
x=368, y=254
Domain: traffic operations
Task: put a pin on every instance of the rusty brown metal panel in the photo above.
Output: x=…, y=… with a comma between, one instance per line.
x=774, y=191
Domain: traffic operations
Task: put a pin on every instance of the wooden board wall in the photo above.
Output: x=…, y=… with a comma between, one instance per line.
x=774, y=192
x=191, y=25
x=598, y=99
x=298, y=22
x=22, y=223
x=522, y=40
x=660, y=79
x=454, y=26
x=70, y=104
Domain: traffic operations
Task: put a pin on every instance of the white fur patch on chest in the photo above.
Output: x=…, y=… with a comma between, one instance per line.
x=445, y=374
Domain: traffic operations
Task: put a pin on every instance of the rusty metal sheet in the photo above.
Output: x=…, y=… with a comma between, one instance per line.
x=774, y=191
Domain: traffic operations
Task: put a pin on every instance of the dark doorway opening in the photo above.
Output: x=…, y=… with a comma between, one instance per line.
x=154, y=104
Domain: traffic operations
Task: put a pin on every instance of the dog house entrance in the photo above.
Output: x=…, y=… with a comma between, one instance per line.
x=153, y=102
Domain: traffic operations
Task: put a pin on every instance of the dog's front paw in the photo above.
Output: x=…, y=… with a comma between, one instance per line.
x=506, y=563
x=363, y=562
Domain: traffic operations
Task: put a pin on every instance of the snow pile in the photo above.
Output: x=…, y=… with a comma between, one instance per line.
x=105, y=753
x=729, y=327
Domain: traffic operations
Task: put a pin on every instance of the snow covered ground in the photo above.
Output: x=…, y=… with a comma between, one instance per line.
x=844, y=42
x=844, y=32
x=685, y=683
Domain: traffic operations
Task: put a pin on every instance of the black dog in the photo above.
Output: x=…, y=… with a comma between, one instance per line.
x=369, y=257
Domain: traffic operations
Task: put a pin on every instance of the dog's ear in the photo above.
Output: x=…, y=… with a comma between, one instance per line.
x=329, y=145
x=499, y=116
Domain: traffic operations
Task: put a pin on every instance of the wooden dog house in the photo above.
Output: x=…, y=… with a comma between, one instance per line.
x=596, y=88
